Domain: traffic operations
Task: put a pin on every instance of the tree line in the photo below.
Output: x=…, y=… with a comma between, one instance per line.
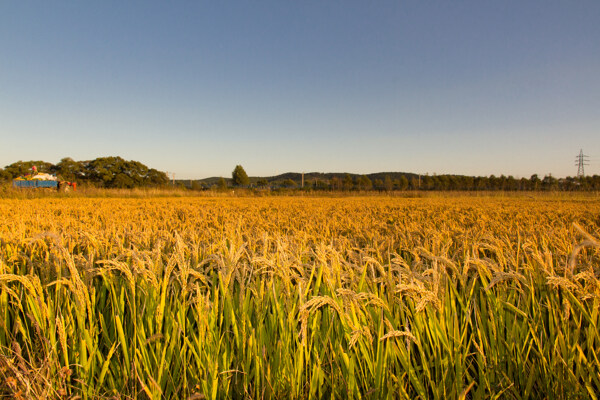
x=115, y=172
x=457, y=183
x=106, y=172
x=384, y=182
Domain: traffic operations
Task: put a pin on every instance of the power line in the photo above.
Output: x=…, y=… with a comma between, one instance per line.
x=581, y=160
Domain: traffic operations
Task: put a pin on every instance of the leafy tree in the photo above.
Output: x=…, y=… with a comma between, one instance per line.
x=388, y=183
x=427, y=182
x=348, y=182
x=549, y=182
x=594, y=182
x=336, y=183
x=222, y=185
x=240, y=178
x=403, y=183
x=136, y=171
x=511, y=183
x=364, y=183
x=523, y=184
x=117, y=172
x=289, y=183
x=414, y=183
x=195, y=185
x=262, y=183
x=123, y=181
x=481, y=183
x=535, y=182
x=321, y=185
x=468, y=182
x=493, y=182
x=156, y=178
x=69, y=170
x=104, y=171
x=21, y=168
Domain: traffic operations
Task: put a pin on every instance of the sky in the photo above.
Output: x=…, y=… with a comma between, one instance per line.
x=196, y=87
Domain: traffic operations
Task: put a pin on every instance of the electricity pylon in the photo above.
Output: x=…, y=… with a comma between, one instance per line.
x=581, y=160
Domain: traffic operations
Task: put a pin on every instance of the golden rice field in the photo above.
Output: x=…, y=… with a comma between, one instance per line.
x=210, y=298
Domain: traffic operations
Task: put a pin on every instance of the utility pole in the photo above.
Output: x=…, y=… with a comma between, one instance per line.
x=581, y=160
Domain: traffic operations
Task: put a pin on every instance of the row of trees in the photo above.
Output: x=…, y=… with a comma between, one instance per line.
x=424, y=182
x=115, y=172
x=458, y=183
x=108, y=172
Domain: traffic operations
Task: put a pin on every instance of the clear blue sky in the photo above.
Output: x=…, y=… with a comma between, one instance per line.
x=196, y=87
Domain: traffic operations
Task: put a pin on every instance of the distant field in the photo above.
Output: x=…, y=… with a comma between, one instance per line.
x=279, y=297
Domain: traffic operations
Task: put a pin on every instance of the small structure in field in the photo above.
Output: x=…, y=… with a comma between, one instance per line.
x=37, y=180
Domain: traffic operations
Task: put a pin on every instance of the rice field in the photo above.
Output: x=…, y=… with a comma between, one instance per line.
x=376, y=298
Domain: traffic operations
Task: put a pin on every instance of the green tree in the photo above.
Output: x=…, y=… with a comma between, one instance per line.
x=403, y=183
x=364, y=183
x=414, y=183
x=117, y=172
x=348, y=182
x=222, y=184
x=549, y=182
x=195, y=185
x=24, y=167
x=442, y=182
x=289, y=183
x=321, y=185
x=123, y=181
x=535, y=182
x=481, y=183
x=262, y=183
x=4, y=176
x=378, y=184
x=468, y=182
x=240, y=178
x=389, y=185
x=69, y=170
x=156, y=178
x=427, y=182
x=335, y=183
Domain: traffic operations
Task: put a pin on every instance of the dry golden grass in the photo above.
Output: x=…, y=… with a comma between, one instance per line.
x=379, y=297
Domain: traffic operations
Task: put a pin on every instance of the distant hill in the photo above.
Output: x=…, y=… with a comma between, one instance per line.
x=278, y=180
x=295, y=176
x=381, y=181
